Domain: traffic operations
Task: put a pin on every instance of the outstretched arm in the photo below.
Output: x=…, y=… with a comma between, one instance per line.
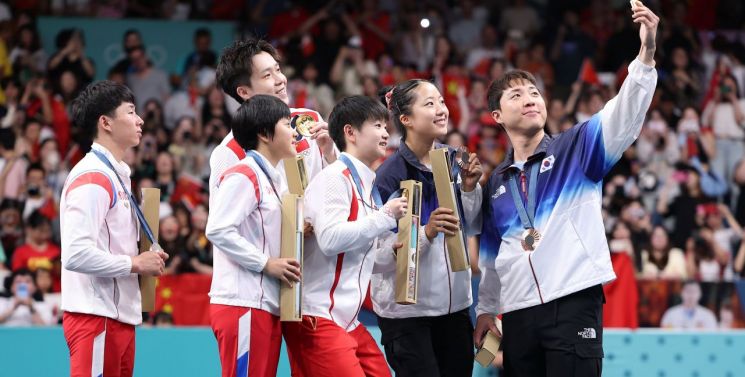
x=608, y=134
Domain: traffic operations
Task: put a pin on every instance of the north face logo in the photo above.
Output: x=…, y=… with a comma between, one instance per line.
x=588, y=333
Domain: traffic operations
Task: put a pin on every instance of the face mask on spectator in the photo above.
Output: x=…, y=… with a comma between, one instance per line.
x=34, y=191
x=52, y=160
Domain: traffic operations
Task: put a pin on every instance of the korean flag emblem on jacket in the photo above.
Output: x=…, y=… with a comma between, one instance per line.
x=547, y=163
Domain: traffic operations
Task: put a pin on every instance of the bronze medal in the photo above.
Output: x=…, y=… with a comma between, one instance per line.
x=302, y=123
x=530, y=240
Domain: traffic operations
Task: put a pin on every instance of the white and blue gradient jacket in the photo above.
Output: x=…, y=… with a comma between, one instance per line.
x=573, y=252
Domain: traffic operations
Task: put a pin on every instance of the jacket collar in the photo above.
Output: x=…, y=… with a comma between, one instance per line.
x=409, y=156
x=540, y=151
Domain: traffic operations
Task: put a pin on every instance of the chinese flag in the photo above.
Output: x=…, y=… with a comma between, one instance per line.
x=587, y=73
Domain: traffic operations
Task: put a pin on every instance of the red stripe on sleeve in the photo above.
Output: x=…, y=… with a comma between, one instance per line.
x=248, y=172
x=95, y=178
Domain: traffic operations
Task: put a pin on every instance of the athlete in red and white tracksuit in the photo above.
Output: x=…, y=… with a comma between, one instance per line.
x=100, y=295
x=228, y=153
x=244, y=223
x=350, y=238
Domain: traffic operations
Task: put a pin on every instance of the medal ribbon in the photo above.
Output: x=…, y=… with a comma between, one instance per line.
x=265, y=170
x=358, y=182
x=527, y=216
x=138, y=211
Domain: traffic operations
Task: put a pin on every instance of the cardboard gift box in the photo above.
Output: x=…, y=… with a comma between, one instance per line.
x=407, y=258
x=445, y=188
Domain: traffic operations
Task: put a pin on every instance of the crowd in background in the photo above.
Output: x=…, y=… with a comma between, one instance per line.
x=675, y=203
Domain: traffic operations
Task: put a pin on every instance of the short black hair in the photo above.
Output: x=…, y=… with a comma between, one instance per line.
x=129, y=32
x=235, y=65
x=402, y=98
x=353, y=110
x=35, y=166
x=97, y=99
x=65, y=35
x=36, y=220
x=498, y=86
x=202, y=32
x=258, y=116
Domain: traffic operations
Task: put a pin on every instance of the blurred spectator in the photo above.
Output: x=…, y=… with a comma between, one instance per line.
x=22, y=308
x=146, y=81
x=165, y=175
x=482, y=58
x=657, y=147
x=70, y=56
x=570, y=48
x=48, y=288
x=38, y=196
x=52, y=164
x=132, y=39
x=374, y=25
x=198, y=247
x=153, y=116
x=187, y=148
x=620, y=239
x=682, y=82
x=163, y=319
x=215, y=108
x=467, y=21
x=417, y=44
x=725, y=114
x=662, y=261
x=349, y=68
x=684, y=207
x=689, y=315
x=28, y=58
x=520, y=20
x=44, y=107
x=726, y=235
x=705, y=258
x=202, y=57
x=171, y=240
x=38, y=251
x=12, y=166
x=11, y=113
x=693, y=140
x=307, y=92
x=11, y=227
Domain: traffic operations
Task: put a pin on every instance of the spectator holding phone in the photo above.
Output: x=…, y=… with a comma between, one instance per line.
x=725, y=114
x=684, y=207
x=21, y=309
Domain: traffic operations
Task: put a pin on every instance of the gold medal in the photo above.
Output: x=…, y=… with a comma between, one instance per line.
x=301, y=123
x=530, y=240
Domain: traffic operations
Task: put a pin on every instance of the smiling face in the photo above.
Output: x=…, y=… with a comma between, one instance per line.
x=266, y=78
x=282, y=144
x=429, y=115
x=522, y=108
x=370, y=140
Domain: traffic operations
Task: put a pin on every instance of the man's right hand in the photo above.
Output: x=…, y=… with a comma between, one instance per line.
x=485, y=322
x=284, y=269
x=442, y=220
x=149, y=263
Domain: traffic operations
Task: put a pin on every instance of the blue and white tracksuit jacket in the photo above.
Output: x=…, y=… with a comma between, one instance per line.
x=573, y=252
